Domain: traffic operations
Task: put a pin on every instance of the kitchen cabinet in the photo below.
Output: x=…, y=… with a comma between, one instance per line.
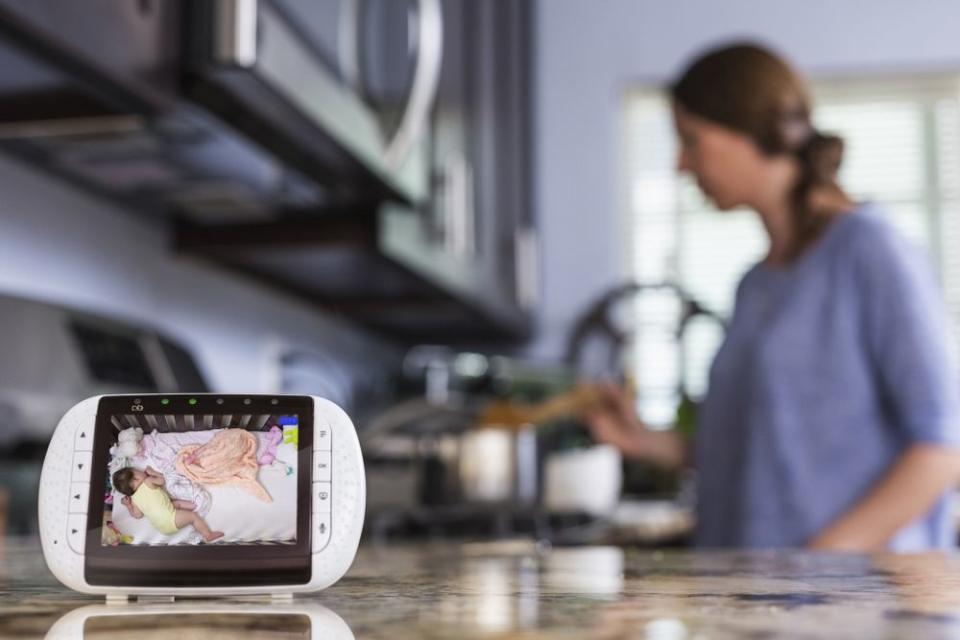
x=481, y=213
x=473, y=235
x=47, y=73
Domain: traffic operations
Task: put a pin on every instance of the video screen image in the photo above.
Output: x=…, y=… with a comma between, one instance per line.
x=201, y=479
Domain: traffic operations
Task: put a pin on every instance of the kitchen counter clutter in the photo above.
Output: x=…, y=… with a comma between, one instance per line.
x=517, y=589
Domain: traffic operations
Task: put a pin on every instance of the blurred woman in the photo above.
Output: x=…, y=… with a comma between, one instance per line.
x=831, y=419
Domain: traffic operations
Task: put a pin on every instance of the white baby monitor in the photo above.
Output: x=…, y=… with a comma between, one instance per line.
x=201, y=495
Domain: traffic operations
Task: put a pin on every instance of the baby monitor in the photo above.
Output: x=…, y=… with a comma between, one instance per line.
x=201, y=495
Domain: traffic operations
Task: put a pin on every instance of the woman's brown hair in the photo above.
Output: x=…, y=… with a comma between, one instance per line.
x=751, y=90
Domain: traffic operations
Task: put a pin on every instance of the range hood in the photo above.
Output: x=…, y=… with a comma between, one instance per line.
x=221, y=108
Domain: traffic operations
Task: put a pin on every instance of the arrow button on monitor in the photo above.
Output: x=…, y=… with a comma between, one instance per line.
x=79, y=495
x=81, y=466
x=76, y=531
x=83, y=440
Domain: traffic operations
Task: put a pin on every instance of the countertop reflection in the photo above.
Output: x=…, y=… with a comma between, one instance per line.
x=517, y=589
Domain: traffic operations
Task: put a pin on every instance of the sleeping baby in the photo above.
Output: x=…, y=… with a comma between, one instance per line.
x=144, y=495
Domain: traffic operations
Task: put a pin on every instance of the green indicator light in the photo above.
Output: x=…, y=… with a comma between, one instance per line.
x=192, y=401
x=165, y=401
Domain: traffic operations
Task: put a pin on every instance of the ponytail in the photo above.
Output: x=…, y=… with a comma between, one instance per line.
x=819, y=156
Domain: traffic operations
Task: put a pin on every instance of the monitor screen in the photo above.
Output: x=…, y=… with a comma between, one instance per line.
x=200, y=490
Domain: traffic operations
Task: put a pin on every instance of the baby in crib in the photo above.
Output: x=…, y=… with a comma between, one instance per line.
x=144, y=495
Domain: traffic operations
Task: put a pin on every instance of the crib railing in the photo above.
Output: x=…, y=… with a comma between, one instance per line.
x=179, y=423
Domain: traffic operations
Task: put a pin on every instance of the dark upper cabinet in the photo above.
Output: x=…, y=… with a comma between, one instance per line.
x=477, y=234
x=62, y=66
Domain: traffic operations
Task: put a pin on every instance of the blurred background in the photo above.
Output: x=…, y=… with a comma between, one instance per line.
x=440, y=214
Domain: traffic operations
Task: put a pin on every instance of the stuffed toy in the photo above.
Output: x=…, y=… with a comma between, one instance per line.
x=128, y=445
x=111, y=535
x=129, y=442
x=270, y=441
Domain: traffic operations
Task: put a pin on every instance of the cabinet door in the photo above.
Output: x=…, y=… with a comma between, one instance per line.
x=481, y=147
x=452, y=213
x=479, y=215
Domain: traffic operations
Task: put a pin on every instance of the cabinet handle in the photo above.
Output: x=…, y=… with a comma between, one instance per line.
x=458, y=207
x=236, y=32
x=527, y=264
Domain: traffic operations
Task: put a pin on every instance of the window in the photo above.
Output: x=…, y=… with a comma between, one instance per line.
x=902, y=150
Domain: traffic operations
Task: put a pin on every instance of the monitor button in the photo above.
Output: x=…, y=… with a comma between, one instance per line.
x=77, y=531
x=80, y=470
x=79, y=495
x=322, y=437
x=321, y=466
x=321, y=497
x=321, y=531
x=83, y=439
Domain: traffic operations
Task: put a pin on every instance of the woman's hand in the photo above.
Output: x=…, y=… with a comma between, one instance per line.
x=614, y=421
x=833, y=541
x=910, y=488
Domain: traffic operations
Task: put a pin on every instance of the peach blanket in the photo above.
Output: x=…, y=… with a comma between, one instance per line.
x=229, y=458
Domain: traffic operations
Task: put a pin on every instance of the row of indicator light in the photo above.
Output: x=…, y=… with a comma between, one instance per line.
x=193, y=401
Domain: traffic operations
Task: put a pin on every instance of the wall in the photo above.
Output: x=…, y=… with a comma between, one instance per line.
x=587, y=51
x=59, y=244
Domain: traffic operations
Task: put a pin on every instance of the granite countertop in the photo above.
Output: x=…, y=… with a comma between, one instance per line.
x=516, y=590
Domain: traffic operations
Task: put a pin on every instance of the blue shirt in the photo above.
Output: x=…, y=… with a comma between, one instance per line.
x=830, y=370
